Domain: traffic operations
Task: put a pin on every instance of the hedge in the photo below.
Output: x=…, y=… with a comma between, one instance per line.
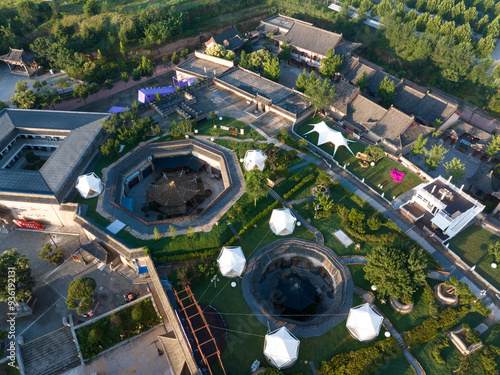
x=363, y=361
x=297, y=187
x=429, y=328
x=184, y=256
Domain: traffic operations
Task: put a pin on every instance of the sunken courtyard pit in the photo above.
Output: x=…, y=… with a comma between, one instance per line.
x=177, y=182
x=298, y=283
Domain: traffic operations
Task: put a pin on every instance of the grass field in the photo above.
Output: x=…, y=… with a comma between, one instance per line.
x=373, y=176
x=471, y=245
x=205, y=126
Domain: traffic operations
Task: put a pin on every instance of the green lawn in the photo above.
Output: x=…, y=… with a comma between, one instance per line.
x=374, y=176
x=205, y=126
x=398, y=366
x=471, y=245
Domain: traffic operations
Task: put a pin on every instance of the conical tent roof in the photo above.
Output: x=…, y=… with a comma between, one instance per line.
x=254, y=159
x=327, y=134
x=364, y=322
x=231, y=261
x=281, y=348
x=89, y=185
x=282, y=222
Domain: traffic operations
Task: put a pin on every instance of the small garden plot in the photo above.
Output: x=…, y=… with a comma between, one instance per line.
x=206, y=127
x=471, y=245
x=375, y=176
x=117, y=327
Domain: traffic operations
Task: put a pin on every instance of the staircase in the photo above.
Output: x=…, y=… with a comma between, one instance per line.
x=50, y=354
x=276, y=196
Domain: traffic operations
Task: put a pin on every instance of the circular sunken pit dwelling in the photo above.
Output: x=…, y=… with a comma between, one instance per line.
x=184, y=183
x=300, y=284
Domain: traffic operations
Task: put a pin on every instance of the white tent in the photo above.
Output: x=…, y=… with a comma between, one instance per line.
x=363, y=322
x=231, y=261
x=89, y=185
x=327, y=134
x=254, y=159
x=282, y=222
x=281, y=348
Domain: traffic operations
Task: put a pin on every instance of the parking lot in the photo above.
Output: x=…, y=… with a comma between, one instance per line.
x=52, y=283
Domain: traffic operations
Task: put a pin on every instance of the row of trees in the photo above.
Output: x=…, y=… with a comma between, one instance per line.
x=41, y=97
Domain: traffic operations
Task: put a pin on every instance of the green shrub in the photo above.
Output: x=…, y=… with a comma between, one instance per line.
x=373, y=223
x=436, y=352
x=137, y=313
x=72, y=304
x=299, y=186
x=96, y=335
x=116, y=320
x=81, y=288
x=85, y=305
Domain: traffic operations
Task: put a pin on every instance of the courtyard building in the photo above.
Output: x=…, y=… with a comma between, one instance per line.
x=21, y=62
x=229, y=39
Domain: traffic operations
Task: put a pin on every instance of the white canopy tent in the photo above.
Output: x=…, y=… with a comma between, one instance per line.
x=254, y=159
x=231, y=261
x=327, y=134
x=89, y=185
x=363, y=322
x=281, y=348
x=282, y=222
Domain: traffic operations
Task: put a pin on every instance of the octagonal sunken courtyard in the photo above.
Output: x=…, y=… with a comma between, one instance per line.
x=181, y=183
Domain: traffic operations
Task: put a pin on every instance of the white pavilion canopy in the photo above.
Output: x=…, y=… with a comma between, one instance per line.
x=89, y=185
x=363, y=322
x=281, y=348
x=254, y=159
x=327, y=134
x=231, y=261
x=282, y=221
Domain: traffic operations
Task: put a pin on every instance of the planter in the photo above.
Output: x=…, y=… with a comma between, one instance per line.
x=400, y=307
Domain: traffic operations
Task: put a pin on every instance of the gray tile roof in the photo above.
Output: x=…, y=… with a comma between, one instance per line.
x=348, y=64
x=365, y=113
x=411, y=135
x=392, y=125
x=310, y=38
x=233, y=38
x=426, y=106
x=485, y=182
x=375, y=80
x=253, y=84
x=82, y=129
x=345, y=93
x=18, y=55
x=462, y=127
x=358, y=71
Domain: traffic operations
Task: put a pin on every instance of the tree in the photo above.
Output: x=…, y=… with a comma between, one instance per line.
x=324, y=206
x=257, y=59
x=52, y=255
x=84, y=90
x=302, y=143
x=386, y=92
x=256, y=185
x=302, y=81
x=136, y=75
x=172, y=231
x=190, y=232
x=435, y=157
x=285, y=51
x=321, y=94
x=180, y=129
x=419, y=146
x=26, y=99
x=37, y=85
x=494, y=146
x=91, y=8
x=146, y=68
x=156, y=234
x=16, y=269
x=485, y=47
x=375, y=153
x=494, y=250
x=110, y=147
x=330, y=64
x=175, y=58
x=220, y=51
x=185, y=53
x=272, y=70
x=3, y=105
x=156, y=129
x=455, y=169
x=362, y=82
x=80, y=294
x=166, y=61
x=125, y=77
x=243, y=60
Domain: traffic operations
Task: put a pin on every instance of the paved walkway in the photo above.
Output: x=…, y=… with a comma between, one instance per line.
x=355, y=259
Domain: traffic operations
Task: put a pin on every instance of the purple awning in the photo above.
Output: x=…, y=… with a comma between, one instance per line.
x=115, y=109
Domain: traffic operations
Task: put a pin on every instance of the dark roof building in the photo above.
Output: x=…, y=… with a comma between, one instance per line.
x=345, y=94
x=484, y=184
x=376, y=79
x=230, y=39
x=20, y=61
x=71, y=138
x=363, y=113
x=426, y=107
x=349, y=63
x=358, y=72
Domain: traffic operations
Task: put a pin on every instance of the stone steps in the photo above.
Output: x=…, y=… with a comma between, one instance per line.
x=50, y=354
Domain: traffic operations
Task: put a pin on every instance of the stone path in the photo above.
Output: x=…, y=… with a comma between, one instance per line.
x=302, y=200
x=370, y=298
x=354, y=259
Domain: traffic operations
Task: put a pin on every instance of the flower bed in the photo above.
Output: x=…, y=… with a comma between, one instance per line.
x=115, y=328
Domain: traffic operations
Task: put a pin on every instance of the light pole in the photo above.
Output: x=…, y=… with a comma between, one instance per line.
x=54, y=242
